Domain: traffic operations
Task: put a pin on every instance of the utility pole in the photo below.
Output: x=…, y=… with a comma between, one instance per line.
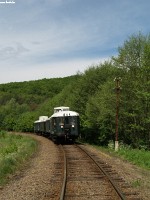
x=117, y=89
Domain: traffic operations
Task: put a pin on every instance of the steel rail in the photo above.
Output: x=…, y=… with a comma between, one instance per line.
x=108, y=176
x=65, y=176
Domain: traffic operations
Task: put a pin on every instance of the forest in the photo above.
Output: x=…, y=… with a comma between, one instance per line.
x=93, y=95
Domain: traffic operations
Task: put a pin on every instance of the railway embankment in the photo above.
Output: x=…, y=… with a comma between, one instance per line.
x=135, y=176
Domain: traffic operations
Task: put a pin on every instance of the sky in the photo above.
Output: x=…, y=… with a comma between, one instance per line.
x=57, y=38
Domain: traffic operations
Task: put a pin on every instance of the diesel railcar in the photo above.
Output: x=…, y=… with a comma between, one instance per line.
x=63, y=125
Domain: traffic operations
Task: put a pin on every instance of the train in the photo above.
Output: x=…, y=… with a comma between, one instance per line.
x=62, y=126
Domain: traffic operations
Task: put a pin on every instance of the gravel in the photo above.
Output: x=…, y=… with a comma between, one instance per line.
x=132, y=174
x=33, y=182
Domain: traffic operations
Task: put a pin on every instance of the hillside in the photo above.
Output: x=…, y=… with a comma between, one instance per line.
x=92, y=94
x=24, y=99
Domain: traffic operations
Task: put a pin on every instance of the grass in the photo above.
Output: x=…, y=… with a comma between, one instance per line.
x=139, y=157
x=14, y=151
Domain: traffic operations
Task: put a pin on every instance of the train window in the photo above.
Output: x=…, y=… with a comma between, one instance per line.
x=53, y=122
x=61, y=120
x=66, y=120
x=73, y=119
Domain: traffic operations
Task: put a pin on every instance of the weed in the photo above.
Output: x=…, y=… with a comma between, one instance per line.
x=136, y=183
x=2, y=134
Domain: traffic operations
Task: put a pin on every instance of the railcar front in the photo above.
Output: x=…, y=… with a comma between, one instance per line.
x=64, y=126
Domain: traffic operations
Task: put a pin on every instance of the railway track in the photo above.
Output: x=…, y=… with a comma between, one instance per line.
x=87, y=177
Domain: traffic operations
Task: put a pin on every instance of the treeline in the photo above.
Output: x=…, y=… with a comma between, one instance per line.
x=93, y=95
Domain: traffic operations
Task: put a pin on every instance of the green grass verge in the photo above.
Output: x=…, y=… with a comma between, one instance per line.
x=139, y=157
x=14, y=151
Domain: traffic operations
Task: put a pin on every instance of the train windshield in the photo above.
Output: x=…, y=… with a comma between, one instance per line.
x=66, y=120
x=70, y=120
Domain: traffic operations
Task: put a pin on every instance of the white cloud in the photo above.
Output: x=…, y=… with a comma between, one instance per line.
x=55, y=34
x=57, y=69
x=11, y=52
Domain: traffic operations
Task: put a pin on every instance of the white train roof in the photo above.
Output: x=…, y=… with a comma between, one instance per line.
x=61, y=108
x=61, y=111
x=41, y=119
x=65, y=113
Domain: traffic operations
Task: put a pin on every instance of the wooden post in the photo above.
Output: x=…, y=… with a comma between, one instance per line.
x=117, y=89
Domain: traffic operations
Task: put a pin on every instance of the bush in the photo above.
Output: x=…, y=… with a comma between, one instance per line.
x=14, y=150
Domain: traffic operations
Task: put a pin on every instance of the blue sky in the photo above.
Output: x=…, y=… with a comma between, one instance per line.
x=57, y=38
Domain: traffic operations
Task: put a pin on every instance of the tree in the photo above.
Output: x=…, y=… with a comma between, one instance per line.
x=134, y=59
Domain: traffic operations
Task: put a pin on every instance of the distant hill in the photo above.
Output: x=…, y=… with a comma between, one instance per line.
x=33, y=92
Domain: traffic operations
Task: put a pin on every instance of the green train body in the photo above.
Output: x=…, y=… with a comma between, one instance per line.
x=63, y=125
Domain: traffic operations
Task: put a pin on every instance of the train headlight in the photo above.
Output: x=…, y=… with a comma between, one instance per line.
x=62, y=126
x=73, y=126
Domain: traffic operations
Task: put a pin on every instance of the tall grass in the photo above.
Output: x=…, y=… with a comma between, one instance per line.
x=14, y=150
x=139, y=157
